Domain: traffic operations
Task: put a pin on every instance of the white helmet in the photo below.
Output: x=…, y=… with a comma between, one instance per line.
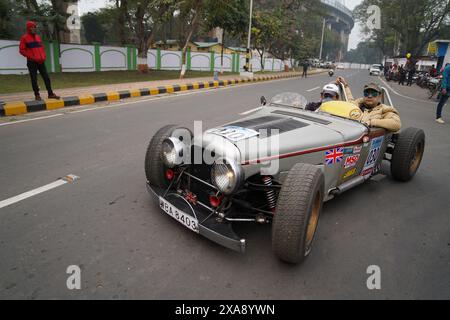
x=331, y=88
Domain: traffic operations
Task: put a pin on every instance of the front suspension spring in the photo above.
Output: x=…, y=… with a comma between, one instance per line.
x=270, y=193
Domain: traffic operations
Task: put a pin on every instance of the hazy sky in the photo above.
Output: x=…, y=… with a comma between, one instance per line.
x=355, y=37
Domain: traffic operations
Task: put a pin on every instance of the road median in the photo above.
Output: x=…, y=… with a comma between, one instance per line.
x=22, y=107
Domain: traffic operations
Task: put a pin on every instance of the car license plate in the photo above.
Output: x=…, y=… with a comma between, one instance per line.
x=183, y=218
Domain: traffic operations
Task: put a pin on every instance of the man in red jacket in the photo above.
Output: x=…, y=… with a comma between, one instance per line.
x=31, y=47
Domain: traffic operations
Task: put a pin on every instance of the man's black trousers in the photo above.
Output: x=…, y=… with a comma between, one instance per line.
x=33, y=68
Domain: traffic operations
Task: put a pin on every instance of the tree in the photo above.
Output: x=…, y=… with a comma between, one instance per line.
x=300, y=29
x=231, y=16
x=5, y=22
x=58, y=18
x=190, y=12
x=143, y=18
x=413, y=24
x=266, y=29
x=121, y=7
x=367, y=52
x=332, y=45
x=94, y=30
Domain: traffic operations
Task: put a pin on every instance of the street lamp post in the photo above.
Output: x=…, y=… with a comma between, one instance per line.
x=247, y=59
x=321, y=41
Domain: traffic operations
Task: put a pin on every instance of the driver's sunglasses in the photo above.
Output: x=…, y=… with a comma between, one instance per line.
x=372, y=93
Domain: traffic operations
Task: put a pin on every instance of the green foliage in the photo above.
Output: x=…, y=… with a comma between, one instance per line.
x=5, y=30
x=231, y=16
x=94, y=30
x=406, y=26
x=366, y=53
x=284, y=28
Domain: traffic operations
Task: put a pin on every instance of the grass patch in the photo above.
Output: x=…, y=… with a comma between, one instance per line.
x=21, y=83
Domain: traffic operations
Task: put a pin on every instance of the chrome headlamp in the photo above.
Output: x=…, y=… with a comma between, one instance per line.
x=172, y=152
x=226, y=176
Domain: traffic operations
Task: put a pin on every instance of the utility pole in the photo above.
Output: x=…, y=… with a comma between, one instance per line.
x=247, y=59
x=321, y=41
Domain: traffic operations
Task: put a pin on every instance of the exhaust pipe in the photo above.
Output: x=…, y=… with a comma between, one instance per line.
x=348, y=185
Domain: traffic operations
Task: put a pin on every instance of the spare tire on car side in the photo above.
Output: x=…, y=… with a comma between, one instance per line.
x=297, y=214
x=408, y=153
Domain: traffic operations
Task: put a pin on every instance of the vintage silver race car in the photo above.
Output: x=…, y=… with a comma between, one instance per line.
x=278, y=166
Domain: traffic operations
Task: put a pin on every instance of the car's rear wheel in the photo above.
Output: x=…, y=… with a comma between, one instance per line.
x=154, y=166
x=297, y=215
x=408, y=154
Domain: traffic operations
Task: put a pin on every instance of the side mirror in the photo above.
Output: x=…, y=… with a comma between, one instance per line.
x=263, y=101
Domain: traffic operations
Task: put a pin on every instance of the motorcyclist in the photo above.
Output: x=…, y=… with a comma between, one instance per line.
x=375, y=114
x=433, y=71
x=329, y=92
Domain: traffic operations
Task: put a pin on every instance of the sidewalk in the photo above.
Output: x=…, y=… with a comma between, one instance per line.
x=29, y=95
x=20, y=103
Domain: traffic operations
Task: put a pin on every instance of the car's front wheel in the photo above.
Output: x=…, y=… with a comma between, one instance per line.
x=297, y=215
x=154, y=165
x=408, y=154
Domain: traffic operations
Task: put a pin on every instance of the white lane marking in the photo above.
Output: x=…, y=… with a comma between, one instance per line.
x=31, y=193
x=28, y=120
x=406, y=97
x=250, y=111
x=312, y=89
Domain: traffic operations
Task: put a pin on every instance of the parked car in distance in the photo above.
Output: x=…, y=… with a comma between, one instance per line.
x=375, y=69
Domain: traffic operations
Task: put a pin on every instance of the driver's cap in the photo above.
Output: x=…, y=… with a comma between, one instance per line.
x=331, y=88
x=372, y=86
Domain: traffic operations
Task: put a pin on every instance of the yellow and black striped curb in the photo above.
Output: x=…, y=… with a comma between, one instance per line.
x=22, y=107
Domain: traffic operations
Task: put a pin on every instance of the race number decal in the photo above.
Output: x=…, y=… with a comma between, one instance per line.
x=234, y=133
x=374, y=154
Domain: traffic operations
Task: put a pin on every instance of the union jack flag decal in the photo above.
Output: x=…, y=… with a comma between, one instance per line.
x=333, y=156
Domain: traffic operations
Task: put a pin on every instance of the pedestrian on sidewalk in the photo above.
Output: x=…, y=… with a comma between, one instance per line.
x=401, y=75
x=305, y=69
x=445, y=93
x=31, y=47
x=411, y=73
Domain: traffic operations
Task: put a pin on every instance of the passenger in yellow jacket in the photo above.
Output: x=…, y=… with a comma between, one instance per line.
x=375, y=114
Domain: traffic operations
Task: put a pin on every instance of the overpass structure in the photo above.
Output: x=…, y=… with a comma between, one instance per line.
x=340, y=19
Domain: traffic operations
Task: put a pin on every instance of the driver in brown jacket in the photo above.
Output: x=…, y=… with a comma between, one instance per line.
x=375, y=114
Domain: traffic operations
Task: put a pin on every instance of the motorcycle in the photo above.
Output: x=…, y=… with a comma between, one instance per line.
x=434, y=86
x=331, y=73
x=391, y=76
x=422, y=80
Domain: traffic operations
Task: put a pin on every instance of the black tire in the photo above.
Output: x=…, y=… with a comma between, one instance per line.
x=432, y=92
x=154, y=166
x=408, y=153
x=297, y=214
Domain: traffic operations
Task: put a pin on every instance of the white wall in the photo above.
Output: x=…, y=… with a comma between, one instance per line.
x=77, y=58
x=81, y=58
x=170, y=60
x=11, y=62
x=113, y=58
x=151, y=59
x=227, y=62
x=200, y=61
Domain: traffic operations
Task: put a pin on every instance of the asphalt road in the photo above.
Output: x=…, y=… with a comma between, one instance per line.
x=108, y=224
